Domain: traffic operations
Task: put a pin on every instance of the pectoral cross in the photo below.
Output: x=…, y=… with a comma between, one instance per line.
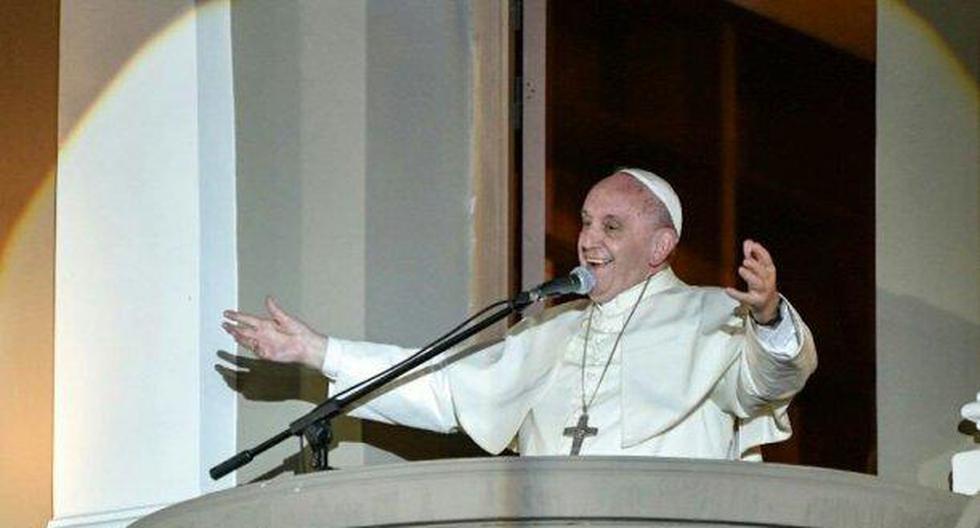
x=579, y=432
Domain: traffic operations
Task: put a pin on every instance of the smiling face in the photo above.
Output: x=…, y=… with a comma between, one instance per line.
x=623, y=238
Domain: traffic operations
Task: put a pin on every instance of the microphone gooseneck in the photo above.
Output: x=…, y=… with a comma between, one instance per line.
x=580, y=281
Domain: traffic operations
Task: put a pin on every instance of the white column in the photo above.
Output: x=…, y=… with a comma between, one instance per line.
x=927, y=239
x=218, y=265
x=145, y=256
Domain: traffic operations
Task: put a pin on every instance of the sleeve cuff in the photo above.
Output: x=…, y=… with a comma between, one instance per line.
x=332, y=358
x=780, y=340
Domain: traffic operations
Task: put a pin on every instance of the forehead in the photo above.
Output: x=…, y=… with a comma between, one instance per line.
x=617, y=195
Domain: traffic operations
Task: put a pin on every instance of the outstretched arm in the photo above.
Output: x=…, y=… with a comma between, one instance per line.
x=418, y=400
x=277, y=336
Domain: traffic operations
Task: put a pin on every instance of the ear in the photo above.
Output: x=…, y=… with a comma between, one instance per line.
x=664, y=242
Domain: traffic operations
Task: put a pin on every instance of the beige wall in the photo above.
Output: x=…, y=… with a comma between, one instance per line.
x=300, y=113
x=28, y=143
x=353, y=137
x=928, y=244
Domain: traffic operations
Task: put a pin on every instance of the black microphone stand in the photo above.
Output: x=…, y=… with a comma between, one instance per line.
x=315, y=425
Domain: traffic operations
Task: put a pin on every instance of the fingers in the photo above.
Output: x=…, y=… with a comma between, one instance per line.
x=759, y=273
x=242, y=335
x=244, y=342
x=246, y=336
x=756, y=252
x=754, y=297
x=756, y=267
x=759, y=263
x=753, y=279
x=739, y=296
x=238, y=331
x=273, y=337
x=763, y=256
x=248, y=330
x=757, y=276
x=277, y=313
x=243, y=319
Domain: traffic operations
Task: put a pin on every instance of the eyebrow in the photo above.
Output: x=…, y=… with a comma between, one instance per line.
x=615, y=217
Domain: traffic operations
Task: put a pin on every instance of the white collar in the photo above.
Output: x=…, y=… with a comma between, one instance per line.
x=622, y=303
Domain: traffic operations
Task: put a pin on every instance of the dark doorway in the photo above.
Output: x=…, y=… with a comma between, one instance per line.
x=765, y=133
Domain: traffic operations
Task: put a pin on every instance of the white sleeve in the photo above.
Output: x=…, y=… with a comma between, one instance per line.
x=780, y=340
x=769, y=379
x=765, y=377
x=420, y=398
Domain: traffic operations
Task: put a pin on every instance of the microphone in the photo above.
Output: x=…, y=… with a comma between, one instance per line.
x=580, y=281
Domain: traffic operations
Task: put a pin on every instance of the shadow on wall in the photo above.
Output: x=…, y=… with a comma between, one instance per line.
x=261, y=380
x=956, y=22
x=932, y=370
x=970, y=429
x=267, y=381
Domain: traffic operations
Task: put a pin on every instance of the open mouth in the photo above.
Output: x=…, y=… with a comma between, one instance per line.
x=597, y=263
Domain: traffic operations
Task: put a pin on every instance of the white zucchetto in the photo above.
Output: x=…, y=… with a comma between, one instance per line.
x=663, y=191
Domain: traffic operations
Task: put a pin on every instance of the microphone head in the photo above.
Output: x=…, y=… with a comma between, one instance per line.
x=584, y=280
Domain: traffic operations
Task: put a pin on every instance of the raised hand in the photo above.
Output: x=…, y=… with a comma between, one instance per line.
x=759, y=273
x=277, y=337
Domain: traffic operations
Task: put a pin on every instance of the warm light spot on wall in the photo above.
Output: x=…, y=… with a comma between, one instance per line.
x=127, y=221
x=29, y=102
x=28, y=148
x=26, y=360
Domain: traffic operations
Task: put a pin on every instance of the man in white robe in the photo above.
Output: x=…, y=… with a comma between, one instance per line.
x=646, y=366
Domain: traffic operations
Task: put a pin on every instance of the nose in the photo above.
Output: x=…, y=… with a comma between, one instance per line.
x=588, y=236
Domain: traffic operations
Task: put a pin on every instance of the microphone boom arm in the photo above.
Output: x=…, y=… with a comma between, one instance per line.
x=319, y=417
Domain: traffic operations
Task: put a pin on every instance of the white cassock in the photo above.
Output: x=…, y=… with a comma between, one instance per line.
x=691, y=377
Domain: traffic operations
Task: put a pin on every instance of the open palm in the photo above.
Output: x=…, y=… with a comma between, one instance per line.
x=277, y=337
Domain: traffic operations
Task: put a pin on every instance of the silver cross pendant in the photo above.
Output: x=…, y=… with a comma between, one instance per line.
x=579, y=432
